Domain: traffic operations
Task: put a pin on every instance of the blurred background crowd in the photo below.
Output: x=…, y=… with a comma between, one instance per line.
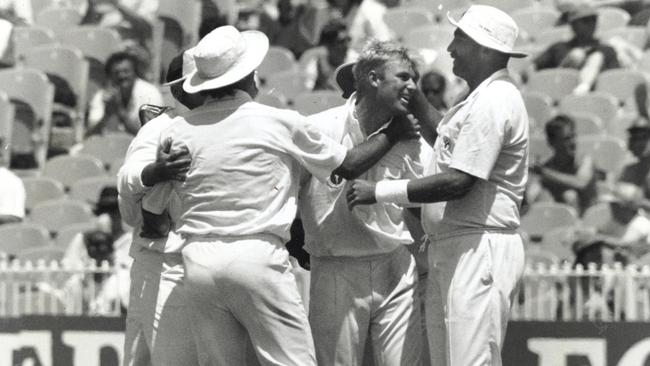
x=74, y=73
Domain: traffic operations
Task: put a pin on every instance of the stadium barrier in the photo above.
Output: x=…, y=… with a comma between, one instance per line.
x=57, y=288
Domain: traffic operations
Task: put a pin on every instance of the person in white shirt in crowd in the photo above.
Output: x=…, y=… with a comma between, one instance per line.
x=157, y=331
x=12, y=194
x=472, y=196
x=115, y=107
x=362, y=252
x=18, y=12
x=368, y=23
x=239, y=200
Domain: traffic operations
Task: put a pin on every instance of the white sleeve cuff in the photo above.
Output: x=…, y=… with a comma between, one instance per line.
x=392, y=191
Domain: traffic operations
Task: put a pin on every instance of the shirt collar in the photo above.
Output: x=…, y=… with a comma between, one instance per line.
x=230, y=101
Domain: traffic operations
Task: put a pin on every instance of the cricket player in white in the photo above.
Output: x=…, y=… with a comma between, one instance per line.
x=157, y=331
x=239, y=200
x=363, y=278
x=473, y=192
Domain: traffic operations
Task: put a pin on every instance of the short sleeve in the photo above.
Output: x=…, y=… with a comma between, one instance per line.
x=481, y=138
x=315, y=151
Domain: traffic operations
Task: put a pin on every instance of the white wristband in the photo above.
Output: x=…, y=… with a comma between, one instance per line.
x=392, y=191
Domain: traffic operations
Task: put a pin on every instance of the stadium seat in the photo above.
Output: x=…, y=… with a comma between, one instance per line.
x=441, y=7
x=19, y=236
x=69, y=169
x=107, y=148
x=588, y=124
x=114, y=167
x=317, y=101
x=97, y=44
x=47, y=253
x=546, y=37
x=539, y=107
x=539, y=151
x=597, y=215
x=601, y=104
x=611, y=18
x=532, y=19
x=69, y=63
x=507, y=5
x=287, y=83
x=634, y=35
x=431, y=37
x=545, y=216
x=608, y=153
x=39, y=189
x=65, y=234
x=56, y=214
x=88, y=189
x=556, y=83
x=559, y=241
x=179, y=27
x=277, y=60
x=401, y=19
x=7, y=113
x=618, y=128
x=31, y=87
x=26, y=38
x=536, y=255
x=620, y=83
x=58, y=19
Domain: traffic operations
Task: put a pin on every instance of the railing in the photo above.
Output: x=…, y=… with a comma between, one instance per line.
x=567, y=293
x=40, y=288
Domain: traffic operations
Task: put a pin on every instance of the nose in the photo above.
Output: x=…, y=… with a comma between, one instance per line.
x=411, y=85
x=451, y=47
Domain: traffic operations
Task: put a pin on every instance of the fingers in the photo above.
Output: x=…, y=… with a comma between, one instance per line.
x=166, y=145
x=176, y=154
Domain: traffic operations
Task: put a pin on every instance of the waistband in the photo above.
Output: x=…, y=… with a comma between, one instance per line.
x=365, y=258
x=152, y=260
x=467, y=232
x=272, y=238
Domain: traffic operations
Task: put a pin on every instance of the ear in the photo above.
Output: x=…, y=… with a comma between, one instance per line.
x=373, y=78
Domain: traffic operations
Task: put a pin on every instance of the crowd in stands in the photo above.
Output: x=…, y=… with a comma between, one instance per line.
x=572, y=58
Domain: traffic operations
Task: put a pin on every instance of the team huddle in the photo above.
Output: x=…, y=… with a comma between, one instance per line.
x=212, y=192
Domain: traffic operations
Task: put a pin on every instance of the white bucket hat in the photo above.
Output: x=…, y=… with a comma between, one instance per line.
x=490, y=27
x=225, y=56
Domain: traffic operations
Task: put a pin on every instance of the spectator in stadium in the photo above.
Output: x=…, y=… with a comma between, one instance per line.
x=12, y=193
x=568, y=178
x=108, y=241
x=289, y=27
x=115, y=107
x=335, y=41
x=638, y=172
x=584, y=51
x=434, y=86
x=368, y=23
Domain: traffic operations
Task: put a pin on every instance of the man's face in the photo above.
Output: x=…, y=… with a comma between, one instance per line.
x=465, y=53
x=123, y=74
x=432, y=88
x=564, y=142
x=396, y=82
x=638, y=143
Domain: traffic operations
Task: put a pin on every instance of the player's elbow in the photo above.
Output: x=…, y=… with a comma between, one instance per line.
x=460, y=184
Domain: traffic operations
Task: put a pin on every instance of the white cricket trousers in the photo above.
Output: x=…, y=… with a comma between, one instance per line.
x=157, y=322
x=241, y=287
x=353, y=299
x=473, y=280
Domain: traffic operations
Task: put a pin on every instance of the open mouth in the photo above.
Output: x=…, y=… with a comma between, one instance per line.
x=404, y=99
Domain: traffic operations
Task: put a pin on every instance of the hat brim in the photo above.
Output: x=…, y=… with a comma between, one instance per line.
x=345, y=79
x=257, y=45
x=484, y=42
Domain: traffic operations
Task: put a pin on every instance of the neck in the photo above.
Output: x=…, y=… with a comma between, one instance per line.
x=371, y=116
x=481, y=75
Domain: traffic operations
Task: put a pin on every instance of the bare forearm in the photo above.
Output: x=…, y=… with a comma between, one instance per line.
x=441, y=187
x=427, y=115
x=568, y=180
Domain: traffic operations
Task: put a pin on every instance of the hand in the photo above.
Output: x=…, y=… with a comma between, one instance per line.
x=403, y=127
x=361, y=192
x=169, y=165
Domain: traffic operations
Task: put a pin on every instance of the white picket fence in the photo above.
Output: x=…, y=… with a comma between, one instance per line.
x=566, y=293
x=548, y=293
x=40, y=288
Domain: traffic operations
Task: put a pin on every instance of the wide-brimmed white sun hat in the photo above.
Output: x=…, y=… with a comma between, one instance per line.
x=489, y=27
x=225, y=56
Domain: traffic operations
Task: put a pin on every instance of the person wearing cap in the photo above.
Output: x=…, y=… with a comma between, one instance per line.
x=361, y=252
x=13, y=194
x=157, y=331
x=584, y=51
x=239, y=200
x=471, y=197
